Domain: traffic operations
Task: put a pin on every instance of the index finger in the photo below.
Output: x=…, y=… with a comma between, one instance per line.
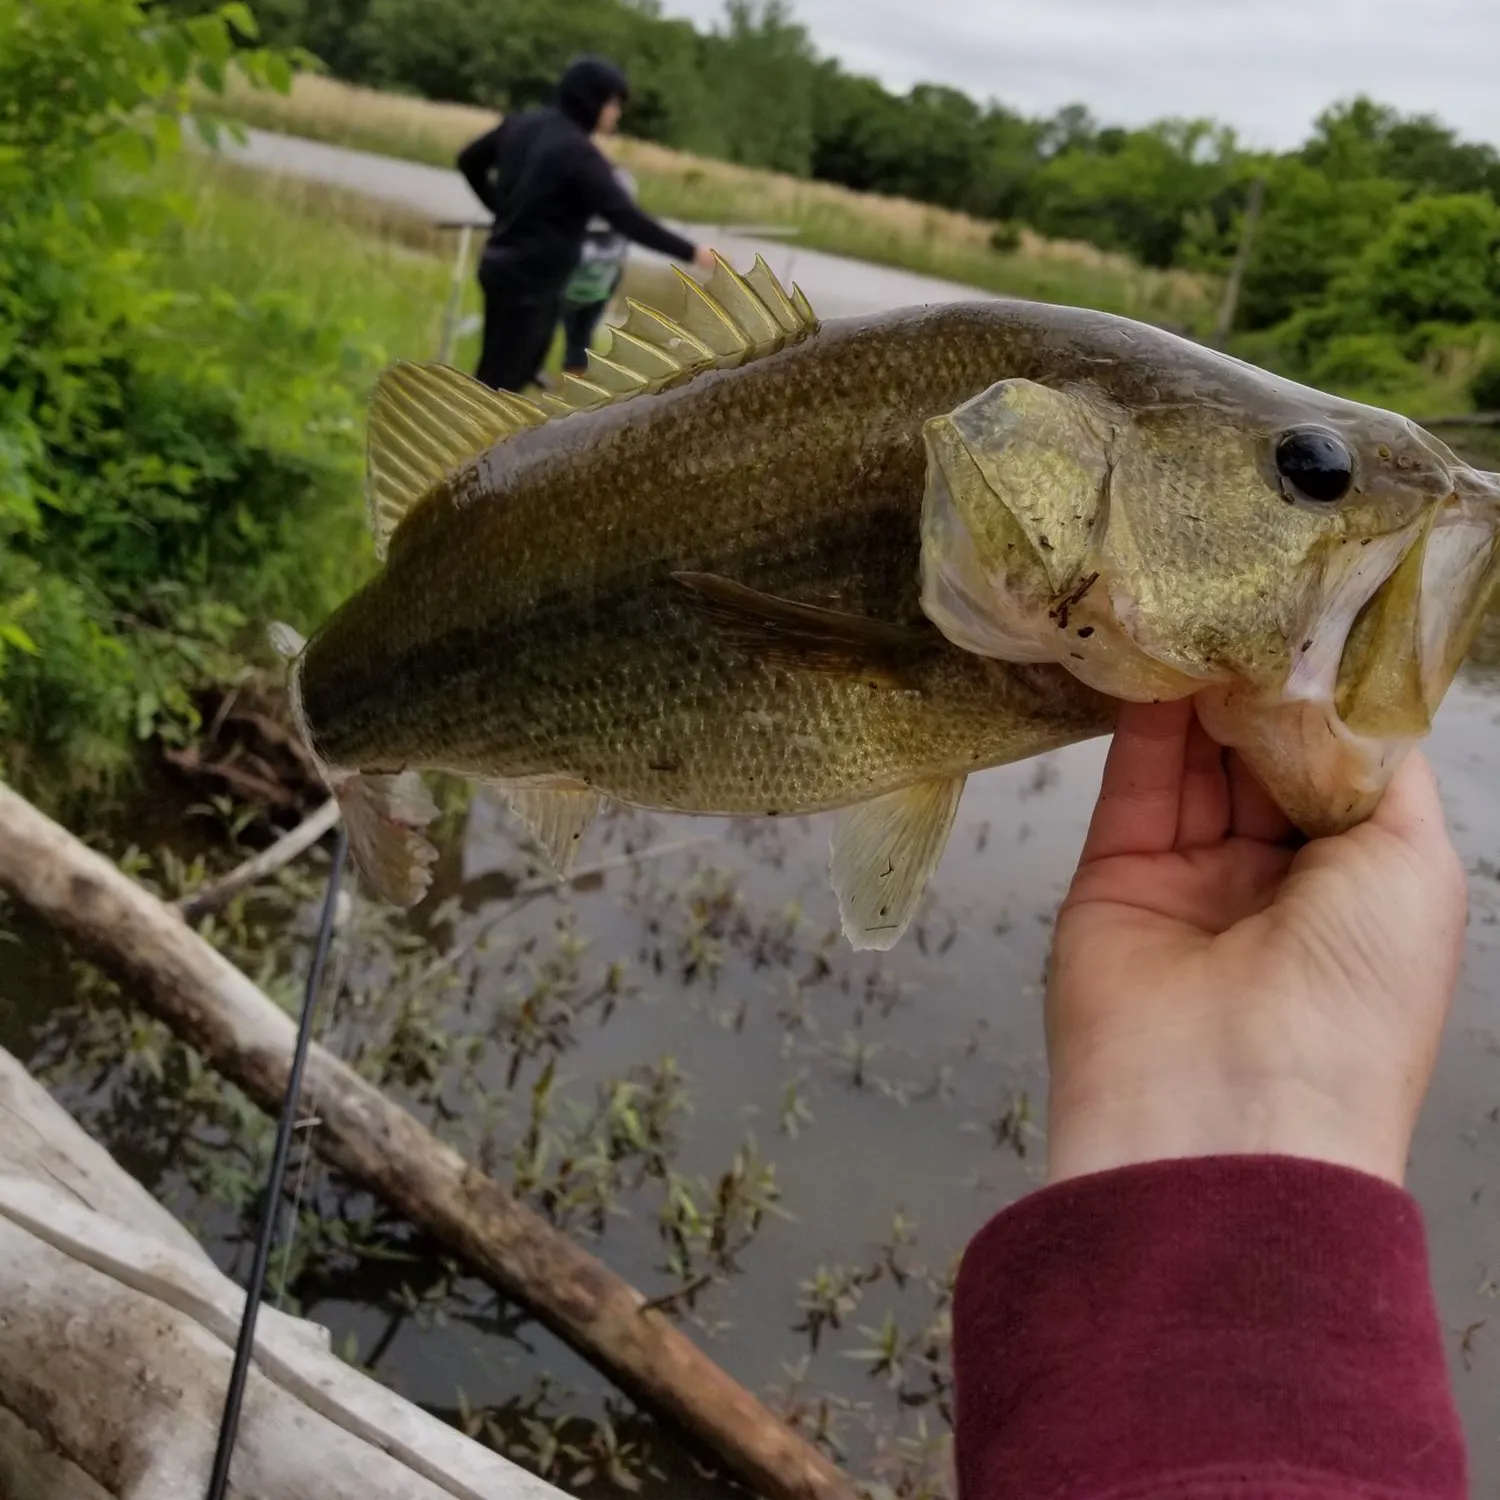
x=1140, y=795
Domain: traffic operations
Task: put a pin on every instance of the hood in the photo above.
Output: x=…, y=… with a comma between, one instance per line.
x=588, y=84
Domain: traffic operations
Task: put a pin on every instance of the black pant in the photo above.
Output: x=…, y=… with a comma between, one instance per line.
x=579, y=320
x=519, y=322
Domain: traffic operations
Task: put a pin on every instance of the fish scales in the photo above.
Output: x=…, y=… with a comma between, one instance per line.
x=758, y=566
x=528, y=623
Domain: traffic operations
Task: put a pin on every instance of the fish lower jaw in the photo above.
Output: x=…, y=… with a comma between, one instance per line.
x=1324, y=776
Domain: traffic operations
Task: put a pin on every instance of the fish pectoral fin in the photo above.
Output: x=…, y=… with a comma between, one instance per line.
x=883, y=854
x=807, y=636
x=424, y=421
x=385, y=816
x=556, y=819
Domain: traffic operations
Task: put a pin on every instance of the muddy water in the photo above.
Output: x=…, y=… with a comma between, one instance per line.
x=919, y=1074
x=908, y=1062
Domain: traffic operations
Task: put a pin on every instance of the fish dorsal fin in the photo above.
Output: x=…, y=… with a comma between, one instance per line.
x=807, y=636
x=557, y=818
x=727, y=321
x=883, y=854
x=425, y=421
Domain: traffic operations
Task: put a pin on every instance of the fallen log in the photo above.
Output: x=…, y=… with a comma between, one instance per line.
x=257, y=868
x=117, y=1341
x=248, y=1038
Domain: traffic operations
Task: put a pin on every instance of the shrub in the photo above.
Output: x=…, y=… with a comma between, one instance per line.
x=151, y=498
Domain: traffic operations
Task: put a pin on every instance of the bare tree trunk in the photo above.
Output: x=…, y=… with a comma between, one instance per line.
x=214, y=1007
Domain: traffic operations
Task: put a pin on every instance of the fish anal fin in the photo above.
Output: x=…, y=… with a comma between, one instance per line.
x=811, y=637
x=425, y=421
x=882, y=855
x=385, y=816
x=556, y=817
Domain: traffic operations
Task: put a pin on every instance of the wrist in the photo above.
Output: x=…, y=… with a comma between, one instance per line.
x=1091, y=1130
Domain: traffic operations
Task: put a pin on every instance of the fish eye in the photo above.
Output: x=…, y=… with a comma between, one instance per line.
x=1314, y=465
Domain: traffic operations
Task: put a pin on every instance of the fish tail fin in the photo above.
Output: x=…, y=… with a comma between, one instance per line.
x=385, y=816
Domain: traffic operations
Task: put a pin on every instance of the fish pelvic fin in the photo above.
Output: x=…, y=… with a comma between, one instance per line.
x=884, y=852
x=385, y=816
x=809, y=637
x=557, y=818
x=425, y=421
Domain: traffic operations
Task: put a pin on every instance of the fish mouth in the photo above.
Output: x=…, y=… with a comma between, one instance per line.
x=1405, y=646
x=1398, y=616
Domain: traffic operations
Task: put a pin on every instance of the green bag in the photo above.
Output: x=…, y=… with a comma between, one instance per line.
x=591, y=282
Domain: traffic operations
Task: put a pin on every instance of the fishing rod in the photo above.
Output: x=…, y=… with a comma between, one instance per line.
x=234, y=1397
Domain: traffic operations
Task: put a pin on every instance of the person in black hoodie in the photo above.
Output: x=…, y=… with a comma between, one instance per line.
x=544, y=179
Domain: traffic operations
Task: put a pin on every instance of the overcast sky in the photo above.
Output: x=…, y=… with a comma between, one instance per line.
x=1267, y=67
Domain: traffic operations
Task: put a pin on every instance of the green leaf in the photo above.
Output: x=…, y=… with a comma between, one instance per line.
x=135, y=150
x=239, y=15
x=168, y=134
x=278, y=72
x=211, y=37
x=13, y=635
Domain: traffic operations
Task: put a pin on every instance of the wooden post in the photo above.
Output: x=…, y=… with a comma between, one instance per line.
x=456, y=290
x=1225, y=324
x=248, y=1038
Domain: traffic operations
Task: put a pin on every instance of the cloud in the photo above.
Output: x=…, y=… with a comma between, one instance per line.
x=1266, y=68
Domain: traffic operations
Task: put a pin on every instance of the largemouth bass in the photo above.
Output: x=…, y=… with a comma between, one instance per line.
x=759, y=565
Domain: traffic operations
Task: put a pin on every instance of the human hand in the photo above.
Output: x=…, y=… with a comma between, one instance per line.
x=1215, y=989
x=704, y=258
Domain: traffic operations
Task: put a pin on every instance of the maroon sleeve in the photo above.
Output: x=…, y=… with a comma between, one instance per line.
x=1221, y=1328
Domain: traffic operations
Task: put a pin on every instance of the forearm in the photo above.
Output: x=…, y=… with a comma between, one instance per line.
x=475, y=162
x=1213, y=1327
x=645, y=230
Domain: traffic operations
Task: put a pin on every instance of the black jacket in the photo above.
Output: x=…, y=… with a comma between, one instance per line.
x=544, y=179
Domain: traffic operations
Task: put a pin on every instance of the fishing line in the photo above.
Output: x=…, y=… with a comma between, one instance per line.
x=309, y=1169
x=234, y=1397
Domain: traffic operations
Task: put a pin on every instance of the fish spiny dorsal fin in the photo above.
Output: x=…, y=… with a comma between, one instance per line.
x=726, y=322
x=425, y=420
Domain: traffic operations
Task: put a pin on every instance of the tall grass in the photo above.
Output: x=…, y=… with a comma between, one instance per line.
x=887, y=231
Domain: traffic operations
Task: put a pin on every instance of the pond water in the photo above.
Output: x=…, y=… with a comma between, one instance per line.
x=898, y=1097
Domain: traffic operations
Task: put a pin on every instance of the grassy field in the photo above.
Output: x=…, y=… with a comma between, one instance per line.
x=357, y=260
x=888, y=231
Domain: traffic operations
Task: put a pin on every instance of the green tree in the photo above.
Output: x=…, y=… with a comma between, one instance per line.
x=1436, y=261
x=759, y=71
x=1312, y=229
x=1134, y=190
